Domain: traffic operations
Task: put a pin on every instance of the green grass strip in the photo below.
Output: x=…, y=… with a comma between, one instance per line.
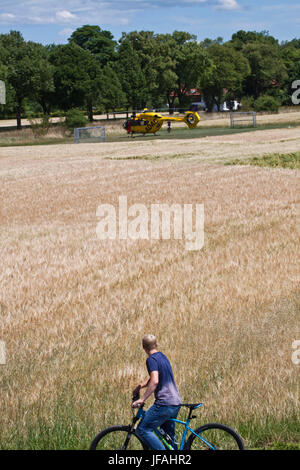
x=272, y=160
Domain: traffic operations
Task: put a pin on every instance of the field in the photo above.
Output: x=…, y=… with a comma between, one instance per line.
x=214, y=124
x=73, y=308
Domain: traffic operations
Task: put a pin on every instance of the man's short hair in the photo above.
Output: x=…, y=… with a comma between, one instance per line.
x=149, y=342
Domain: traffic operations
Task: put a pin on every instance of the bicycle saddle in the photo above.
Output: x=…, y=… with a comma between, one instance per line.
x=192, y=406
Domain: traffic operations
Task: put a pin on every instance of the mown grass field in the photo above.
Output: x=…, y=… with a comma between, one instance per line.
x=273, y=160
x=73, y=308
x=215, y=124
x=116, y=134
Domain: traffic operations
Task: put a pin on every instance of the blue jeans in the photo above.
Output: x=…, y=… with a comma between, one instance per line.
x=156, y=416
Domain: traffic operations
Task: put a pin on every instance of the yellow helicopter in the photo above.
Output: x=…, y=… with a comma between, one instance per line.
x=150, y=122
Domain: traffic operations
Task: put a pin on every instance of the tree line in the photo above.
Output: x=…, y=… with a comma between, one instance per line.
x=93, y=71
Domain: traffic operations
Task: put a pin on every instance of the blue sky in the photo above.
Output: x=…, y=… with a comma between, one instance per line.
x=49, y=21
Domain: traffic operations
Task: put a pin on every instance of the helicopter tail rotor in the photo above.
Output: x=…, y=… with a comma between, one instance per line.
x=191, y=119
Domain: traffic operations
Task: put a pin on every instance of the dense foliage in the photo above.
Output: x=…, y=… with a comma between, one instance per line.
x=75, y=118
x=95, y=73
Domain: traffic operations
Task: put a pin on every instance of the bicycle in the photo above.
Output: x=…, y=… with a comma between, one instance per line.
x=212, y=436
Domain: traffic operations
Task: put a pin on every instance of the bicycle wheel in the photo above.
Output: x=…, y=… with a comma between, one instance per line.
x=215, y=437
x=117, y=438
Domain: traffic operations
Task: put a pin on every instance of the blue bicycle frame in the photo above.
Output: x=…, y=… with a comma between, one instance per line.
x=141, y=414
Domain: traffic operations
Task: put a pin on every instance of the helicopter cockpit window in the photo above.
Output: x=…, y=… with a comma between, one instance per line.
x=136, y=122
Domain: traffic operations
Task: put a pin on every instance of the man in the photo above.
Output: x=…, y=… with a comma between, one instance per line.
x=167, y=399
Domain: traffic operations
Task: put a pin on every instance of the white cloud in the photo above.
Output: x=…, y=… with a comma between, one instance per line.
x=227, y=5
x=71, y=12
x=109, y=12
x=65, y=16
x=194, y=1
x=7, y=16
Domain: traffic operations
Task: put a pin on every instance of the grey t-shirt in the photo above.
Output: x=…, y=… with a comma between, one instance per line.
x=166, y=392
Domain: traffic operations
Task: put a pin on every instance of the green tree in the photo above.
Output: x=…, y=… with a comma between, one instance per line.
x=99, y=42
x=171, y=63
x=77, y=77
x=206, y=43
x=230, y=68
x=19, y=58
x=154, y=52
x=75, y=118
x=182, y=37
x=43, y=89
x=144, y=45
x=268, y=70
x=191, y=63
x=291, y=57
x=294, y=43
x=112, y=95
x=9, y=105
x=131, y=76
x=241, y=38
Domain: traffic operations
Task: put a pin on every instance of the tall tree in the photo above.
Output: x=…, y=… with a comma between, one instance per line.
x=192, y=62
x=242, y=38
x=43, y=89
x=295, y=43
x=206, y=43
x=268, y=70
x=154, y=52
x=166, y=77
x=18, y=56
x=172, y=64
x=9, y=105
x=230, y=68
x=131, y=76
x=144, y=45
x=291, y=57
x=112, y=95
x=77, y=77
x=96, y=40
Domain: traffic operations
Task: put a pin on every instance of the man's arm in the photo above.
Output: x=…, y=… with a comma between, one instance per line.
x=151, y=385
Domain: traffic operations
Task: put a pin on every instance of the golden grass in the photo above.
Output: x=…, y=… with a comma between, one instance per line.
x=73, y=309
x=208, y=149
x=26, y=135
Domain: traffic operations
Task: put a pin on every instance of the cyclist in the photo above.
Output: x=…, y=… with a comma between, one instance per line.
x=167, y=398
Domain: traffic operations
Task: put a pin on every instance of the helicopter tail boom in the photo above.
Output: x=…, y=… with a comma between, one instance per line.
x=191, y=119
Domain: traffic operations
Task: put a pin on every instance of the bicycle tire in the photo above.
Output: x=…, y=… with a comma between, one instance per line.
x=134, y=443
x=207, y=431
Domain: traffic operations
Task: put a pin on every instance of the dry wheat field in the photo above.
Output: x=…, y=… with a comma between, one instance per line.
x=73, y=308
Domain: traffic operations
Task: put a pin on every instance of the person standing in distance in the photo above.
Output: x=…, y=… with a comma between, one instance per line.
x=167, y=399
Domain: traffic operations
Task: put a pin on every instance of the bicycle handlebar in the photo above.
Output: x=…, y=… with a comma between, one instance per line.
x=136, y=396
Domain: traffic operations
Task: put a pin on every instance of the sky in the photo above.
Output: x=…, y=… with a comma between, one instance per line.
x=53, y=21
